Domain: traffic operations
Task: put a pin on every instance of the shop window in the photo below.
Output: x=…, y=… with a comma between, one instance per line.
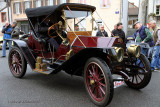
x=63, y=1
x=37, y=3
x=50, y=2
x=27, y=4
x=24, y=27
x=17, y=8
x=3, y=17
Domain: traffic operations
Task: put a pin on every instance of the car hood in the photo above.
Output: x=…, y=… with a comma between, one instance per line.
x=93, y=42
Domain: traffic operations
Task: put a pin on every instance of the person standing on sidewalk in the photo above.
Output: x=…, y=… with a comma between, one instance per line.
x=7, y=30
x=156, y=49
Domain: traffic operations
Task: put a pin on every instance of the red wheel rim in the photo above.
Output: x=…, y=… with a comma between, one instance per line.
x=96, y=82
x=15, y=62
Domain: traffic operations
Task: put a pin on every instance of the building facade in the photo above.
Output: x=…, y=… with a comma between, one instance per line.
x=149, y=10
x=154, y=11
x=4, y=14
x=110, y=11
x=132, y=14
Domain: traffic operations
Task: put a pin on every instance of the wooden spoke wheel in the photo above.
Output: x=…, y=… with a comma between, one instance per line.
x=140, y=74
x=17, y=63
x=98, y=81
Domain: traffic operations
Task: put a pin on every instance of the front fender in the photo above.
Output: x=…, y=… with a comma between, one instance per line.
x=27, y=53
x=78, y=60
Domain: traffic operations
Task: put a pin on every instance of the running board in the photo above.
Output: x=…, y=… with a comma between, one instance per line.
x=49, y=71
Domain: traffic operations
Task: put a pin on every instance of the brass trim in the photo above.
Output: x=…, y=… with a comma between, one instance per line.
x=69, y=54
x=60, y=35
x=92, y=20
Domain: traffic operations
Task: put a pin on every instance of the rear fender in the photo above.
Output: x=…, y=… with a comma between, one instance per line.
x=27, y=53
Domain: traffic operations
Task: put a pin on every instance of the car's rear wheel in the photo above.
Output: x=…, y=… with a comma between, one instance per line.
x=17, y=63
x=98, y=81
x=140, y=74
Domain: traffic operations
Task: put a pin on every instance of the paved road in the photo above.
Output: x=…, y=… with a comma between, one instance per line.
x=62, y=90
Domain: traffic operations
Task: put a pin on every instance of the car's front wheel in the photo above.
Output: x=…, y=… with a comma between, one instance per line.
x=98, y=81
x=17, y=62
x=140, y=74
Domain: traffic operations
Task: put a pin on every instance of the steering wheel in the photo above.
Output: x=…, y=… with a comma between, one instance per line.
x=54, y=28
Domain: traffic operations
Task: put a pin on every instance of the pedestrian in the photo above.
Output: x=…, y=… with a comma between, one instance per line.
x=156, y=49
x=115, y=28
x=7, y=29
x=143, y=35
x=119, y=31
x=102, y=32
x=15, y=31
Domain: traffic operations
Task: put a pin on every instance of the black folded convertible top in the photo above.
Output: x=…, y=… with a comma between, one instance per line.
x=46, y=10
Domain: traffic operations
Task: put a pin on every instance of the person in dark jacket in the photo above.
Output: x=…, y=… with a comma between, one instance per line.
x=102, y=32
x=143, y=35
x=115, y=28
x=119, y=32
x=7, y=30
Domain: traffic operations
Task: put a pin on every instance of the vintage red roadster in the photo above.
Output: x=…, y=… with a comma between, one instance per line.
x=79, y=53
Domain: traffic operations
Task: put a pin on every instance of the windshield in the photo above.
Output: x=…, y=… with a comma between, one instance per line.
x=78, y=20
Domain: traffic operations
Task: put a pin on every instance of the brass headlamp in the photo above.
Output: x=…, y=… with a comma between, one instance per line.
x=134, y=50
x=119, y=54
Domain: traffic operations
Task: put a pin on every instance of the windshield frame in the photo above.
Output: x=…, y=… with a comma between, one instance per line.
x=65, y=18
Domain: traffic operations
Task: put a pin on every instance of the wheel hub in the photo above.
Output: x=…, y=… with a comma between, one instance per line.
x=13, y=62
x=92, y=82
